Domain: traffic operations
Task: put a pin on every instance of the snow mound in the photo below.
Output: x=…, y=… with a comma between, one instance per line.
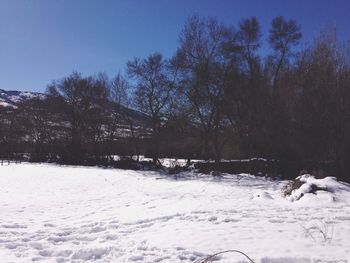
x=260, y=195
x=307, y=185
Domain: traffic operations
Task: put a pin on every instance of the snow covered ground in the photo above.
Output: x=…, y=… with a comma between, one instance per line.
x=54, y=213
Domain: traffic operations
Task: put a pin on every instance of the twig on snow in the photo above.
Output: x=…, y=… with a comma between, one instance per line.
x=210, y=258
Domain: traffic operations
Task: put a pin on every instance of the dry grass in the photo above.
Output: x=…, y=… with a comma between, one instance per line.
x=323, y=230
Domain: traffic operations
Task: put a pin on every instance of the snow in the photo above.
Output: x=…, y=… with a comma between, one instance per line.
x=5, y=104
x=166, y=162
x=329, y=185
x=8, y=98
x=172, y=162
x=51, y=213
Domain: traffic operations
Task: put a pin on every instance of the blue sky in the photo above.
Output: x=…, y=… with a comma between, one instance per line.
x=43, y=40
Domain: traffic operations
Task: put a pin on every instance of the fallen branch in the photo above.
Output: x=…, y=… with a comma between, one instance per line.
x=210, y=258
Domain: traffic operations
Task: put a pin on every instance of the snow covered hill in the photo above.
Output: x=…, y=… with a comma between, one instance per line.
x=54, y=213
x=10, y=98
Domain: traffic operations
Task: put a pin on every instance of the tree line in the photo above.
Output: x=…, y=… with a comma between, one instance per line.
x=220, y=96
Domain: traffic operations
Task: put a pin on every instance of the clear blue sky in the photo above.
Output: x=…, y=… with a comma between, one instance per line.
x=43, y=40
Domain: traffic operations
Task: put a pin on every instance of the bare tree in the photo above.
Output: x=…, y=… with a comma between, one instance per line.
x=324, y=102
x=36, y=116
x=283, y=36
x=122, y=121
x=84, y=102
x=248, y=36
x=153, y=91
x=203, y=72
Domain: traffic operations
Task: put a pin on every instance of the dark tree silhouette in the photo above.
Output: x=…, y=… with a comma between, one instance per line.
x=83, y=101
x=153, y=91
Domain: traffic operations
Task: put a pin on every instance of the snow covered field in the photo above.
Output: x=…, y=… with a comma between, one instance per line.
x=54, y=213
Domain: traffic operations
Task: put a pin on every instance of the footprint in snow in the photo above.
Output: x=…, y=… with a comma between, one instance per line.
x=14, y=226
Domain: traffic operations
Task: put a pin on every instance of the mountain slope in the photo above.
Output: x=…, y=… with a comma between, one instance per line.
x=10, y=98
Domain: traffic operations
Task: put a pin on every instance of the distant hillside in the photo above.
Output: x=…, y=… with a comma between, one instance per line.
x=10, y=98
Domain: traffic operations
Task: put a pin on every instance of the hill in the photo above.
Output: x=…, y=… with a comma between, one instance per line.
x=10, y=98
